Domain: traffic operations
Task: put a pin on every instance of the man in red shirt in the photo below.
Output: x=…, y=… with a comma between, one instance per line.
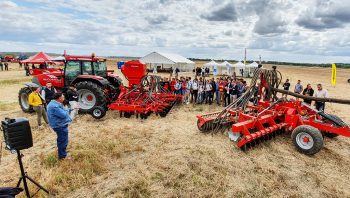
x=222, y=85
x=172, y=85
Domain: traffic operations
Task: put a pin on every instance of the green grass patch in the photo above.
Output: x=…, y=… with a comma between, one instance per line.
x=15, y=81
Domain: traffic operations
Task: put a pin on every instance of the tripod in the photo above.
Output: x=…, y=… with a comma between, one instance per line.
x=24, y=178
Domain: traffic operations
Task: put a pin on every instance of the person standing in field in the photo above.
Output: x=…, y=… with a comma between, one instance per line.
x=35, y=100
x=6, y=66
x=194, y=91
x=222, y=85
x=177, y=87
x=48, y=92
x=217, y=92
x=298, y=87
x=26, y=68
x=227, y=93
x=59, y=120
x=308, y=91
x=1, y=66
x=286, y=86
x=233, y=91
x=213, y=89
x=320, y=93
x=200, y=91
x=208, y=92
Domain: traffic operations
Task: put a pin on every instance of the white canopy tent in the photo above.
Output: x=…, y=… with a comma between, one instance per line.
x=238, y=68
x=253, y=65
x=159, y=60
x=228, y=66
x=212, y=65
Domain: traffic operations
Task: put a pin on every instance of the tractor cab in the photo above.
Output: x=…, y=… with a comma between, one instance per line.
x=83, y=66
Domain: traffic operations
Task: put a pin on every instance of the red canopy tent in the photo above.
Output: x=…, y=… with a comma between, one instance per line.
x=39, y=58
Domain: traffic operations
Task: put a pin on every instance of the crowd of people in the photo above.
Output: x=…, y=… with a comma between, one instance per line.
x=320, y=92
x=202, y=90
x=225, y=90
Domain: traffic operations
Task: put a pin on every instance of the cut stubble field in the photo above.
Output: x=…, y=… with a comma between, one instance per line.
x=169, y=157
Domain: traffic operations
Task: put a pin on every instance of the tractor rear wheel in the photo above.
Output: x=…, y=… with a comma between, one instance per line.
x=307, y=139
x=23, y=99
x=90, y=95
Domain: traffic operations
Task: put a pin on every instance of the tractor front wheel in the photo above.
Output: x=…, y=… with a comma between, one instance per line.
x=307, y=139
x=23, y=99
x=90, y=95
x=98, y=112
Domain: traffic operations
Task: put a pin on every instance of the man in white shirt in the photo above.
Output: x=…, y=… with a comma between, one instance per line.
x=320, y=93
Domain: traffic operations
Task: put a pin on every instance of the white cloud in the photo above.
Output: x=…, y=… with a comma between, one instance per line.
x=204, y=28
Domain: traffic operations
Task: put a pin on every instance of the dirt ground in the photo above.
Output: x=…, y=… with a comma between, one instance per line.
x=169, y=157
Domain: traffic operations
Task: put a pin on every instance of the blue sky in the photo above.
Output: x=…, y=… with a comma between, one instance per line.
x=283, y=30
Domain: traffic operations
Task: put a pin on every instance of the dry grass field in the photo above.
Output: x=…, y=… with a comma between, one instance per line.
x=169, y=157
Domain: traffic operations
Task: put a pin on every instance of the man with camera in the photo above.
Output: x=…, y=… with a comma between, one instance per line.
x=59, y=120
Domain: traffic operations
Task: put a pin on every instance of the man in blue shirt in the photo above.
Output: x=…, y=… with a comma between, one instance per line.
x=59, y=120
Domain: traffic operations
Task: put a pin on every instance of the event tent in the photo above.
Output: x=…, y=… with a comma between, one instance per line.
x=228, y=66
x=159, y=60
x=213, y=66
x=39, y=58
x=253, y=65
x=238, y=67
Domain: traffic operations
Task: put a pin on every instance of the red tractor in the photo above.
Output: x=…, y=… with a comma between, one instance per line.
x=99, y=89
x=96, y=85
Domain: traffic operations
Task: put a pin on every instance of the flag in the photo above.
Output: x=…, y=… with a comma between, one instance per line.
x=334, y=74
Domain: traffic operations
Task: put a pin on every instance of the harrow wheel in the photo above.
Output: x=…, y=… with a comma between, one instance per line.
x=339, y=120
x=307, y=139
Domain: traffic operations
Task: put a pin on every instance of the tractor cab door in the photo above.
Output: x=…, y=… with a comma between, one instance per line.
x=71, y=71
x=87, y=68
x=100, y=68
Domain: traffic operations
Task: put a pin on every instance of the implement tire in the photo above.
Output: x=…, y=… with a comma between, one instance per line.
x=23, y=99
x=307, y=139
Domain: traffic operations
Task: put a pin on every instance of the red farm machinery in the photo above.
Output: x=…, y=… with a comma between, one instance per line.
x=99, y=89
x=259, y=115
x=144, y=95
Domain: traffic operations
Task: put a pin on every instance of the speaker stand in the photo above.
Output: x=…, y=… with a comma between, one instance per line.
x=24, y=178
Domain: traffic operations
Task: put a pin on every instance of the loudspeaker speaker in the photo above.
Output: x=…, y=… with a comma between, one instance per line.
x=17, y=133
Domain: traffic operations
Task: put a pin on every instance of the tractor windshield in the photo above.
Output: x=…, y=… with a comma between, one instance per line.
x=100, y=69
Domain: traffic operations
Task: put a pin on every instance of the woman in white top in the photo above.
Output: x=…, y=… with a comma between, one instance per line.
x=208, y=89
x=194, y=89
x=178, y=87
x=200, y=92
